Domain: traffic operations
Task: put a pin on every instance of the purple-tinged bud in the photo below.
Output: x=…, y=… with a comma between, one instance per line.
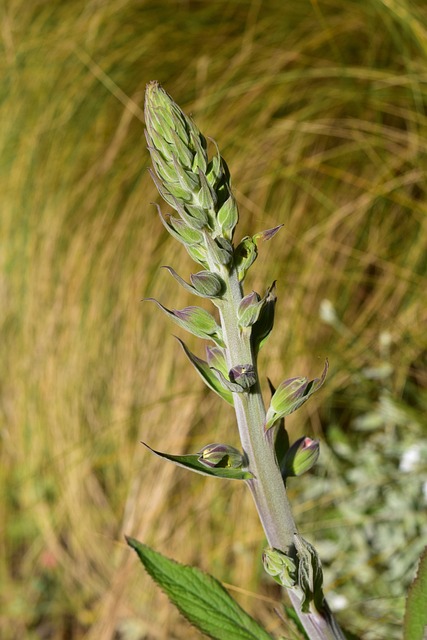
x=243, y=375
x=221, y=455
x=207, y=284
x=300, y=457
x=216, y=359
x=249, y=309
x=204, y=283
x=195, y=320
x=290, y=395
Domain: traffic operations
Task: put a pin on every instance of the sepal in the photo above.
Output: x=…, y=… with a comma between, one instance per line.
x=192, y=462
x=292, y=394
x=309, y=574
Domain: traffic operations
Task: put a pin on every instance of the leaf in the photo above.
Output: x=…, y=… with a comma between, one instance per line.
x=199, y=597
x=207, y=374
x=191, y=461
x=415, y=621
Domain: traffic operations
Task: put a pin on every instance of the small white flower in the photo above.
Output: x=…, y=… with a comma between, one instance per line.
x=410, y=459
x=337, y=601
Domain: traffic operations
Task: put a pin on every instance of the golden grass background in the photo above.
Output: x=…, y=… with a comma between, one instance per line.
x=319, y=108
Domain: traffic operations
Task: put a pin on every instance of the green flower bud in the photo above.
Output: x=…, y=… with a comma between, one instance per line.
x=220, y=249
x=182, y=231
x=216, y=359
x=228, y=217
x=300, y=457
x=195, y=320
x=221, y=455
x=249, y=309
x=204, y=283
x=290, y=395
x=245, y=255
x=280, y=567
x=207, y=284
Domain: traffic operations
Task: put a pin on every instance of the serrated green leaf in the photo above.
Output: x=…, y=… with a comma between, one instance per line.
x=207, y=374
x=191, y=461
x=199, y=597
x=415, y=622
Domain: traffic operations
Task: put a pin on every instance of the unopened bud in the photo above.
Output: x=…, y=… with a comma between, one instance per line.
x=221, y=455
x=207, y=284
x=228, y=217
x=300, y=457
x=249, y=309
x=243, y=375
x=280, y=567
x=245, y=255
x=292, y=394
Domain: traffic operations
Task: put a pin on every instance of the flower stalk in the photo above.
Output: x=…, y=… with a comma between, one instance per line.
x=198, y=188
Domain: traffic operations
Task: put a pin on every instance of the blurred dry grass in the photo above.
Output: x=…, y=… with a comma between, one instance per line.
x=320, y=109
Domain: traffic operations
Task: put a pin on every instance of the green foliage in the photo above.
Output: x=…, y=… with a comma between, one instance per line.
x=415, y=626
x=200, y=598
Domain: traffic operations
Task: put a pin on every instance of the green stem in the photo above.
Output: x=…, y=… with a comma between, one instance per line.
x=267, y=487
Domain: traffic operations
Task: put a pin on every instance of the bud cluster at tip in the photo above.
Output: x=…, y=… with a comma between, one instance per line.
x=197, y=187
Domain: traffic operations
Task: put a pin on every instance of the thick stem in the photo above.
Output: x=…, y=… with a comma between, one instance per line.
x=267, y=486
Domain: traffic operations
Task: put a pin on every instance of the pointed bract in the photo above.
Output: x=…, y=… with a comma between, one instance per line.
x=204, y=283
x=207, y=375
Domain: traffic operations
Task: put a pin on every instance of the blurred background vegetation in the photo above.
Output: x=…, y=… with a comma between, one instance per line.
x=319, y=107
